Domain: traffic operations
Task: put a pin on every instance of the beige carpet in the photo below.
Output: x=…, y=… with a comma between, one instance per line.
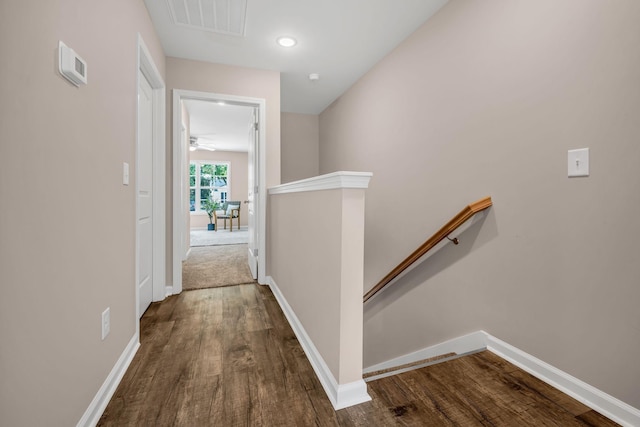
x=220, y=237
x=215, y=266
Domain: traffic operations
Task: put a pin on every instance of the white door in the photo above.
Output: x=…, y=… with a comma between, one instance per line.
x=144, y=183
x=253, y=197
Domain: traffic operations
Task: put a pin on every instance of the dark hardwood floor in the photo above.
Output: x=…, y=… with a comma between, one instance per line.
x=227, y=357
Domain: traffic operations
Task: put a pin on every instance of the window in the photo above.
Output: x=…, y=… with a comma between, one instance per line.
x=207, y=179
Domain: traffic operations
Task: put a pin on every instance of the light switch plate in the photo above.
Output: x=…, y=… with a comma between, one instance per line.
x=106, y=322
x=125, y=173
x=578, y=162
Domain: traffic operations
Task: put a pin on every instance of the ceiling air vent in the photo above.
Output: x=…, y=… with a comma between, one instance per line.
x=218, y=16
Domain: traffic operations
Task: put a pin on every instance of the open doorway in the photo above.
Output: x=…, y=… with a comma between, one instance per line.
x=218, y=170
x=219, y=138
x=211, y=164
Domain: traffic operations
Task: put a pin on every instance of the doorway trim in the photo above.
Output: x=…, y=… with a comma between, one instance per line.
x=147, y=67
x=179, y=177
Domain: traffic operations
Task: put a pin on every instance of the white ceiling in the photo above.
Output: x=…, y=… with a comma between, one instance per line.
x=223, y=127
x=338, y=39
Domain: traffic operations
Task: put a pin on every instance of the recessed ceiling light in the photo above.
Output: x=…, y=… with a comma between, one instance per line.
x=286, y=41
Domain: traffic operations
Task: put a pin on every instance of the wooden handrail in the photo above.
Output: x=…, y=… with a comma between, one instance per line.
x=441, y=234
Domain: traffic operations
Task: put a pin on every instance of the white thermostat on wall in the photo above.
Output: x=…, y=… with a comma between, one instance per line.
x=71, y=66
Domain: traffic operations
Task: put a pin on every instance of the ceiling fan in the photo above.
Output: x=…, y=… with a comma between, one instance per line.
x=195, y=145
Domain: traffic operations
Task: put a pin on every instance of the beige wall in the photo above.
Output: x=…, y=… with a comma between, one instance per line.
x=486, y=99
x=67, y=224
x=320, y=275
x=228, y=80
x=300, y=146
x=238, y=179
x=312, y=288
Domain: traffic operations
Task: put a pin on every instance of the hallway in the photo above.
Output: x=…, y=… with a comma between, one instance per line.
x=228, y=357
x=221, y=356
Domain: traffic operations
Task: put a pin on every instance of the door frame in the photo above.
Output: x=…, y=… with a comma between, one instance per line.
x=179, y=177
x=147, y=67
x=254, y=141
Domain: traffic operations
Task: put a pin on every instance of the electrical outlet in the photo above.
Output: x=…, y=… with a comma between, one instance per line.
x=106, y=323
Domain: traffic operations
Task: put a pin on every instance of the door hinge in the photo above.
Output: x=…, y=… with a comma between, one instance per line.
x=255, y=190
x=255, y=126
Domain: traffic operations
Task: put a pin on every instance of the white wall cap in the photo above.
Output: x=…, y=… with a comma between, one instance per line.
x=330, y=181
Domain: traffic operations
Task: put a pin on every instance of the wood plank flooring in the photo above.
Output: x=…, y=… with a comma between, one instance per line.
x=227, y=357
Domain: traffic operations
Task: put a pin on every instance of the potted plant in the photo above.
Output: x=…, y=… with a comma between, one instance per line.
x=210, y=206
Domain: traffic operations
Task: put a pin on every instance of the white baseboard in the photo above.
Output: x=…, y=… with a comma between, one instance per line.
x=340, y=395
x=99, y=403
x=594, y=398
x=597, y=400
x=169, y=291
x=464, y=344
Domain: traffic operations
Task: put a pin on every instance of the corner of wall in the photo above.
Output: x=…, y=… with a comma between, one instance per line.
x=99, y=403
x=340, y=395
